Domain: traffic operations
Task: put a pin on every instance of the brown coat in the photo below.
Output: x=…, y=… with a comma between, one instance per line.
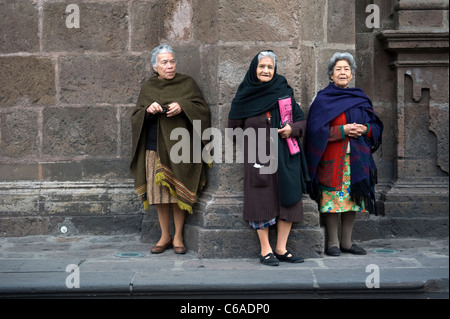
x=261, y=190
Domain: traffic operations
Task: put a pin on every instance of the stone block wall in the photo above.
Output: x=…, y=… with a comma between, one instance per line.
x=65, y=101
x=406, y=73
x=66, y=96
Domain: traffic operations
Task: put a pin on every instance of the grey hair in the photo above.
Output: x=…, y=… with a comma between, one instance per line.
x=338, y=56
x=270, y=54
x=163, y=48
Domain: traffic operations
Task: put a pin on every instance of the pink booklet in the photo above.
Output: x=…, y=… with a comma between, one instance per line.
x=285, y=104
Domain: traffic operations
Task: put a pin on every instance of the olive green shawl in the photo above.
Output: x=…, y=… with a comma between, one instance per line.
x=184, y=180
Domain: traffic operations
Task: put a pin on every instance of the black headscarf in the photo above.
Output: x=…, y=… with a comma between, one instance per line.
x=254, y=97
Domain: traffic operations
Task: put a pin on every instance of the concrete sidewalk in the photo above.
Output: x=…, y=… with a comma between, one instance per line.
x=122, y=267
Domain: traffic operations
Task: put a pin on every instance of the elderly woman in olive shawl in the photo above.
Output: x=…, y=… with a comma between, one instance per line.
x=167, y=102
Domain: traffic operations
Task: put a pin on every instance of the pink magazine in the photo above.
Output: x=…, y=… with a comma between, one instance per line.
x=285, y=104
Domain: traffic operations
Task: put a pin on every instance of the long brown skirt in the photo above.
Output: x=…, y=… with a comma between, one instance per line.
x=156, y=194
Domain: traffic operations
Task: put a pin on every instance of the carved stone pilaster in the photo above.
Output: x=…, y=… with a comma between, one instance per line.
x=420, y=64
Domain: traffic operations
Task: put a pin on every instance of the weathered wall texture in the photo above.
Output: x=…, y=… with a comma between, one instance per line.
x=405, y=71
x=66, y=96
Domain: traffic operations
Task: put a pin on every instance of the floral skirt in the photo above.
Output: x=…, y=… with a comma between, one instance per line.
x=340, y=201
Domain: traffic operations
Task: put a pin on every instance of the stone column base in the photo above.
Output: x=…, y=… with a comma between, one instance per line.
x=217, y=230
x=42, y=208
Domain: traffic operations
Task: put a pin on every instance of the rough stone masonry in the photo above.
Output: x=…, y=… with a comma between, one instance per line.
x=67, y=88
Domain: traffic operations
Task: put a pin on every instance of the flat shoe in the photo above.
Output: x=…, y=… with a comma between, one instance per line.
x=333, y=251
x=179, y=250
x=269, y=260
x=291, y=259
x=355, y=250
x=159, y=249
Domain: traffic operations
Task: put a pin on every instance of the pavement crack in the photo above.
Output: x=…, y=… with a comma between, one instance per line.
x=131, y=285
x=315, y=282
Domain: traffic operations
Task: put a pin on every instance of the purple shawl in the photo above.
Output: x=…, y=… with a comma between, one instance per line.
x=328, y=104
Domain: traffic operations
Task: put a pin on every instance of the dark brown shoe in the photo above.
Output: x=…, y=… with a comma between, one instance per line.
x=179, y=250
x=159, y=249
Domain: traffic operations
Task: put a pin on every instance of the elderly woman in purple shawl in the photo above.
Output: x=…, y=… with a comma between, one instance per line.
x=342, y=132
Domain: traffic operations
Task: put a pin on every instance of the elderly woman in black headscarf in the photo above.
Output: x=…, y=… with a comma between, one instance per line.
x=270, y=198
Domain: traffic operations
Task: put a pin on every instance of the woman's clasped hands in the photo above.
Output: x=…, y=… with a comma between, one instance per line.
x=355, y=130
x=172, y=109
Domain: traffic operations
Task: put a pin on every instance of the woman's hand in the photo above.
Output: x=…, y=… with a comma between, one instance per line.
x=286, y=131
x=354, y=130
x=174, y=109
x=154, y=108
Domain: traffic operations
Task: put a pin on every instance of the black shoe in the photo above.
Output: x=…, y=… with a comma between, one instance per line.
x=289, y=259
x=333, y=251
x=355, y=250
x=269, y=260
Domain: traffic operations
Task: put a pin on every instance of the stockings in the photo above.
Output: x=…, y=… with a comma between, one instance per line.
x=332, y=225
